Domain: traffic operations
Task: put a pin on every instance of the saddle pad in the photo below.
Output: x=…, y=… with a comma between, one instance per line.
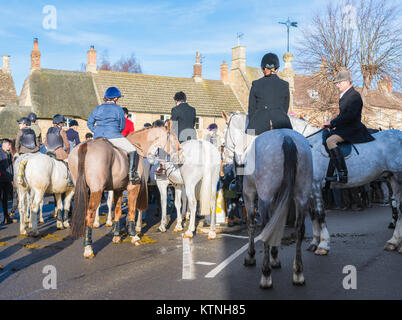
x=346, y=147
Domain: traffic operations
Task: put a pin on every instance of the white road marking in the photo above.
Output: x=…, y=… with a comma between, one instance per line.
x=205, y=263
x=188, y=270
x=226, y=262
x=234, y=236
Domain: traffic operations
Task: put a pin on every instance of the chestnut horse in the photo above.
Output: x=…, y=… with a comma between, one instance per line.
x=100, y=166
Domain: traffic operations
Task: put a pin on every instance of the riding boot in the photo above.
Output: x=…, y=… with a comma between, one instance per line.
x=133, y=175
x=340, y=164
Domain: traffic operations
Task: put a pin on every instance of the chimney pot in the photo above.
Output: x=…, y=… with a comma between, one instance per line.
x=91, y=60
x=224, y=72
x=35, y=56
x=197, y=70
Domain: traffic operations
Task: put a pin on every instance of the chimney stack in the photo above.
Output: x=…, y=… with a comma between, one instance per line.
x=239, y=58
x=91, y=63
x=224, y=72
x=6, y=64
x=35, y=56
x=197, y=74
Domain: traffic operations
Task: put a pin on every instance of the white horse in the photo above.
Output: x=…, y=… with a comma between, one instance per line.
x=278, y=171
x=199, y=174
x=381, y=158
x=163, y=182
x=36, y=175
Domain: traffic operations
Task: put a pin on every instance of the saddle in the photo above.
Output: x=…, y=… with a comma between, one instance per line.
x=346, y=147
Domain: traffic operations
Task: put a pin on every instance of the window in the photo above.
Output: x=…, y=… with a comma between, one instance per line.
x=198, y=123
x=165, y=117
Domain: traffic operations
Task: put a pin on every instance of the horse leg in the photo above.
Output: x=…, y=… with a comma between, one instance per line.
x=23, y=209
x=162, y=186
x=28, y=203
x=185, y=207
x=96, y=221
x=392, y=203
x=212, y=231
x=118, y=195
x=323, y=246
x=94, y=201
x=249, y=260
x=316, y=229
x=192, y=203
x=298, y=278
x=41, y=220
x=177, y=202
x=109, y=206
x=133, y=192
x=275, y=262
x=266, y=279
x=67, y=205
x=396, y=240
x=36, y=199
x=59, y=205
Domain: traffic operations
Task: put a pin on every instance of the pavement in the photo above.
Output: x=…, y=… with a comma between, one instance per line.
x=166, y=266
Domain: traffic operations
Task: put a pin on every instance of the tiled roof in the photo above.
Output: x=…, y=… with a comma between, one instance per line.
x=65, y=92
x=154, y=94
x=253, y=73
x=8, y=94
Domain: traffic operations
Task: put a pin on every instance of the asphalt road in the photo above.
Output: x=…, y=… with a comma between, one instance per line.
x=168, y=267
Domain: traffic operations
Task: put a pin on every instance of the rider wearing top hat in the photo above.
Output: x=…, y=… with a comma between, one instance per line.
x=347, y=126
x=108, y=121
x=269, y=99
x=25, y=141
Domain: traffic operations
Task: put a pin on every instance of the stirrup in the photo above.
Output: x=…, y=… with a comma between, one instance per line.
x=134, y=177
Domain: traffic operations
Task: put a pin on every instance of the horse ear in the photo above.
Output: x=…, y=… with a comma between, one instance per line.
x=225, y=116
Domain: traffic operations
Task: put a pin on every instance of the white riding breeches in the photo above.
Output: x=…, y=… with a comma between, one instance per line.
x=123, y=144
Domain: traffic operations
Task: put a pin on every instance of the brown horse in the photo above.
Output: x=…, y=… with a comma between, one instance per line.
x=100, y=166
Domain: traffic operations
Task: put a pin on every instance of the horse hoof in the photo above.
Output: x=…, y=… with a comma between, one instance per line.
x=42, y=221
x=177, y=229
x=34, y=234
x=108, y=224
x=400, y=250
x=390, y=247
x=188, y=235
x=96, y=226
x=23, y=232
x=298, y=280
x=60, y=225
x=249, y=262
x=116, y=239
x=312, y=248
x=391, y=225
x=66, y=225
x=212, y=235
x=30, y=226
x=162, y=229
x=276, y=264
x=266, y=283
x=321, y=252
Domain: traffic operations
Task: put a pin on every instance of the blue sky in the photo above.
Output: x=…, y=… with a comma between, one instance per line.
x=164, y=35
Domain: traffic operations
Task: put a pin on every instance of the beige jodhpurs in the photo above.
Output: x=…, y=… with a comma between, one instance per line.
x=332, y=141
x=123, y=143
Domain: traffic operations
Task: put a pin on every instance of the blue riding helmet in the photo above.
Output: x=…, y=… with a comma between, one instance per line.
x=58, y=118
x=112, y=93
x=24, y=120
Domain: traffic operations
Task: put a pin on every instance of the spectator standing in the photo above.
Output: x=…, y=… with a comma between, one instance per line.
x=6, y=177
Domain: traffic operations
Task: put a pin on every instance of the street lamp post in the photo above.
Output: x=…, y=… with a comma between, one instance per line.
x=289, y=24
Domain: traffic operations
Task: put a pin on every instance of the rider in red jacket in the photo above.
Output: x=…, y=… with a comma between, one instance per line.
x=129, y=124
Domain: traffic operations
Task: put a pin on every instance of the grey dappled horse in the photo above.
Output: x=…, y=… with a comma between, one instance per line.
x=379, y=158
x=278, y=169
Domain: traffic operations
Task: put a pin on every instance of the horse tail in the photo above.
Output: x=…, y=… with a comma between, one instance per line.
x=206, y=192
x=273, y=231
x=142, y=201
x=21, y=173
x=80, y=196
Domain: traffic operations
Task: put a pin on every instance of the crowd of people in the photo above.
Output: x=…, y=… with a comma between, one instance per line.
x=268, y=110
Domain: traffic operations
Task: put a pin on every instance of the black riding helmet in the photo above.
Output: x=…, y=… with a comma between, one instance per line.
x=32, y=116
x=270, y=61
x=58, y=118
x=24, y=120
